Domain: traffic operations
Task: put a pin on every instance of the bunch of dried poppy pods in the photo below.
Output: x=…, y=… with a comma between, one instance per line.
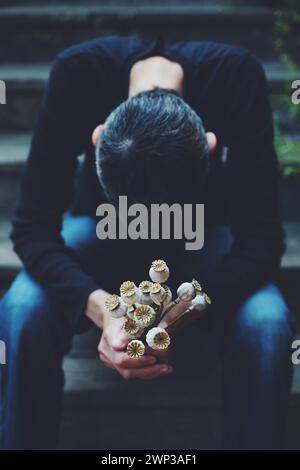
x=144, y=306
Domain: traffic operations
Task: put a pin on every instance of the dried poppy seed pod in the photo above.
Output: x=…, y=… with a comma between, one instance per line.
x=197, y=286
x=168, y=295
x=159, y=271
x=186, y=291
x=158, y=293
x=135, y=349
x=198, y=303
x=144, y=292
x=144, y=315
x=129, y=292
x=116, y=306
x=130, y=312
x=158, y=338
x=132, y=329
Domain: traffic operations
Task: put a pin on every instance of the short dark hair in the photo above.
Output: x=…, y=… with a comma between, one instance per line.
x=153, y=148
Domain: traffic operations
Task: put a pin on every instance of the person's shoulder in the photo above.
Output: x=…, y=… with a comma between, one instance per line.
x=218, y=53
x=105, y=47
x=81, y=61
x=231, y=63
x=237, y=58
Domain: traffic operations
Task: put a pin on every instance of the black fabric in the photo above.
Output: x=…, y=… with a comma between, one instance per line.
x=226, y=86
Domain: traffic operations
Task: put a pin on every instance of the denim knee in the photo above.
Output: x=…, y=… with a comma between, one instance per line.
x=265, y=315
x=27, y=316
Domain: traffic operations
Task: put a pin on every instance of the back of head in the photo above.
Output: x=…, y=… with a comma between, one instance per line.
x=153, y=148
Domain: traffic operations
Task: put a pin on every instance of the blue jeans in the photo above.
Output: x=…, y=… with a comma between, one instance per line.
x=257, y=366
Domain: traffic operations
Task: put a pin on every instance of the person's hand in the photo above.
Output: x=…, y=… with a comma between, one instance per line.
x=112, y=352
x=112, y=346
x=95, y=309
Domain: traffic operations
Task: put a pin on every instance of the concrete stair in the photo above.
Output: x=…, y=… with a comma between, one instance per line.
x=25, y=84
x=180, y=411
x=39, y=31
x=176, y=412
x=14, y=148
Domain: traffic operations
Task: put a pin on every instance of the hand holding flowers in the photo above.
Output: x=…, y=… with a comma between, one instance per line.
x=149, y=311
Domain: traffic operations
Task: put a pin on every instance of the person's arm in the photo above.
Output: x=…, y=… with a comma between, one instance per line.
x=253, y=181
x=46, y=193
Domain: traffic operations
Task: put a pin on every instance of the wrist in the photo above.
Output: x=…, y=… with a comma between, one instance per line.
x=95, y=309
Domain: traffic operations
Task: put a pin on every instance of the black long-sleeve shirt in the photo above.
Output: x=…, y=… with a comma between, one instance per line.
x=226, y=86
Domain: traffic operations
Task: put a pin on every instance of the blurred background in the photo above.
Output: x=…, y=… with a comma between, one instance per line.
x=185, y=413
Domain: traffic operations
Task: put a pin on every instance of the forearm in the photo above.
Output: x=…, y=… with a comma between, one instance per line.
x=55, y=267
x=95, y=309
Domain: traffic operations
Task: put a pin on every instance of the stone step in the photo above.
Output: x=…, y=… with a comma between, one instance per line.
x=13, y=153
x=85, y=373
x=25, y=84
x=178, y=429
x=176, y=412
x=14, y=150
x=181, y=411
x=38, y=32
x=138, y=3
x=121, y=2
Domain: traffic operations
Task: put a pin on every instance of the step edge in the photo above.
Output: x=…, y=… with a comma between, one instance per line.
x=129, y=11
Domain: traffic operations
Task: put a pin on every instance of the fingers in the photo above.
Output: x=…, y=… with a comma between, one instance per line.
x=142, y=368
x=112, y=355
x=122, y=360
x=120, y=342
x=160, y=354
x=147, y=373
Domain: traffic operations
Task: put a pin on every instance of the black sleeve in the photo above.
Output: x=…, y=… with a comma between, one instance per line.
x=46, y=193
x=254, y=195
